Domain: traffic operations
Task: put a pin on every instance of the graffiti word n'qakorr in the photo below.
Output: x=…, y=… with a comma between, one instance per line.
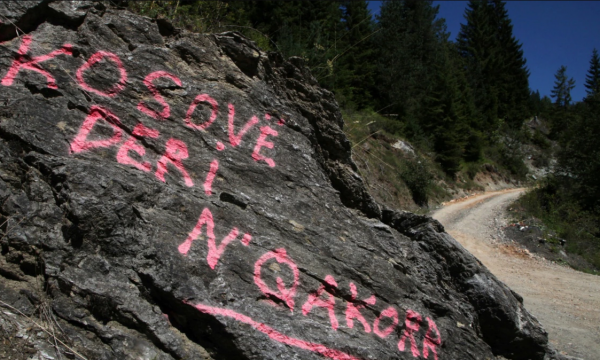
x=175, y=150
x=321, y=299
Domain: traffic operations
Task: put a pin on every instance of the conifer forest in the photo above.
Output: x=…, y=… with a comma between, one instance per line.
x=463, y=103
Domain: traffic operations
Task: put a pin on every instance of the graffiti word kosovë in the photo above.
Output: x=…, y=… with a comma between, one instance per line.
x=175, y=153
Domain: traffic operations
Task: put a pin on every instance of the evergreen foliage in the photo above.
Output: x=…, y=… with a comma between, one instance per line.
x=592, y=79
x=408, y=44
x=358, y=59
x=562, y=87
x=418, y=179
x=579, y=159
x=335, y=38
x=513, y=75
x=568, y=201
x=196, y=16
x=449, y=99
x=446, y=113
x=423, y=81
x=495, y=64
x=308, y=29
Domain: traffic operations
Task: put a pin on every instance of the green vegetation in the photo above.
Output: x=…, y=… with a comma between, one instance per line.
x=568, y=201
x=454, y=100
x=395, y=176
x=562, y=88
x=552, y=204
x=425, y=114
x=396, y=172
x=495, y=65
x=592, y=80
x=462, y=105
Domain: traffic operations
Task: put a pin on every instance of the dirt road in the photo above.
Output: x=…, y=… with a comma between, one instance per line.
x=565, y=301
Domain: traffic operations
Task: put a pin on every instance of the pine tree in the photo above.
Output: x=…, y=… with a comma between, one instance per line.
x=308, y=29
x=513, y=75
x=579, y=159
x=408, y=43
x=592, y=79
x=446, y=111
x=546, y=106
x=535, y=101
x=357, y=62
x=495, y=64
x=562, y=88
x=477, y=45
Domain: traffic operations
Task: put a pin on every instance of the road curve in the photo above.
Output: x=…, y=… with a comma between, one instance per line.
x=565, y=301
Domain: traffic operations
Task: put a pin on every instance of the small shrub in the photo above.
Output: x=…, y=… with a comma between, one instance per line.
x=510, y=159
x=473, y=148
x=391, y=126
x=418, y=179
x=471, y=169
x=470, y=185
x=541, y=160
x=559, y=211
x=540, y=140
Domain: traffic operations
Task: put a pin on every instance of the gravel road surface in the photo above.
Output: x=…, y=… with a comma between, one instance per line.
x=565, y=301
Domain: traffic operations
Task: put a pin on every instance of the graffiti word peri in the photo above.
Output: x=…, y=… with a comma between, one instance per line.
x=175, y=150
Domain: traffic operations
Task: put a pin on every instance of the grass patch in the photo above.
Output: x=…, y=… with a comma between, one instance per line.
x=397, y=173
x=564, y=217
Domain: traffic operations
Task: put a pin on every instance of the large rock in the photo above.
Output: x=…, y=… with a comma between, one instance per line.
x=167, y=195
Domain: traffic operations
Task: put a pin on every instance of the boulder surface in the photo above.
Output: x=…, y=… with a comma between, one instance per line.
x=169, y=195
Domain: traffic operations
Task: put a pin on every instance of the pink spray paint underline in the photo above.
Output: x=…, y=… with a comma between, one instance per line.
x=274, y=334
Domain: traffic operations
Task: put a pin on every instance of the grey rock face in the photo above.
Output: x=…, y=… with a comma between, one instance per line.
x=171, y=195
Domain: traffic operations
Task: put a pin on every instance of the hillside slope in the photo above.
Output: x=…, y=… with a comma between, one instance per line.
x=399, y=174
x=169, y=195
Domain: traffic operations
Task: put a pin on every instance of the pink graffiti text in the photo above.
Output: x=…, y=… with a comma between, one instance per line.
x=214, y=111
x=214, y=167
x=236, y=139
x=132, y=145
x=214, y=252
x=413, y=319
x=323, y=298
x=431, y=342
x=391, y=313
x=274, y=334
x=97, y=57
x=176, y=150
x=262, y=142
x=23, y=61
x=148, y=81
x=353, y=309
x=81, y=143
x=283, y=294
